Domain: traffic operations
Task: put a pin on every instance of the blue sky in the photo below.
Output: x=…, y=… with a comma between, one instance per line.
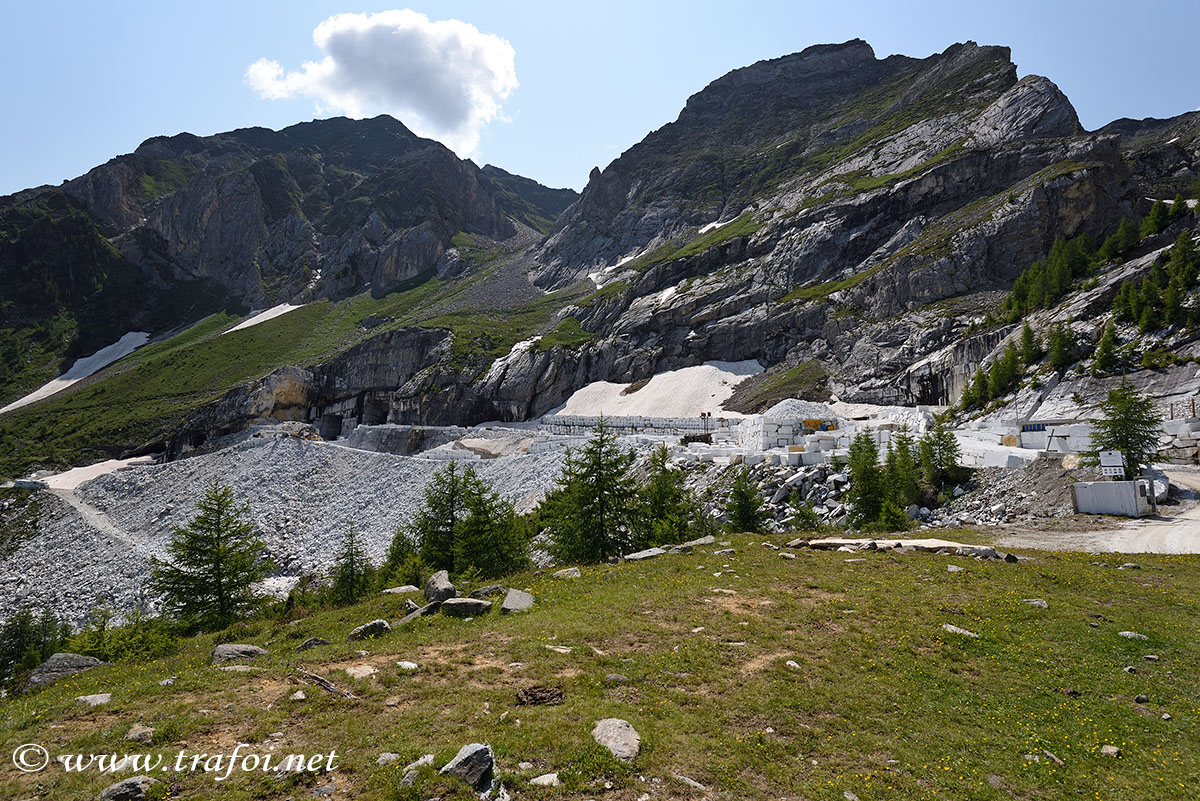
x=87, y=81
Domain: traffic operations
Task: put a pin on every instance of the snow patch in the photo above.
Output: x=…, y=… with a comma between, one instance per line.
x=84, y=367
x=677, y=393
x=599, y=278
x=263, y=316
x=712, y=226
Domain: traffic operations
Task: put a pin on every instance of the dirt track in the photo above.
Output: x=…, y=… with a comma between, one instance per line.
x=1177, y=533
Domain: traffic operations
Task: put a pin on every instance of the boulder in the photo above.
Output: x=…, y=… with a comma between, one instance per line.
x=546, y=780
x=387, y=758
x=403, y=590
x=140, y=734
x=311, y=642
x=59, y=666
x=567, y=573
x=473, y=764
x=423, y=611
x=135, y=788
x=376, y=628
x=618, y=736
x=410, y=606
x=465, y=607
x=488, y=591
x=439, y=588
x=234, y=652
x=649, y=553
x=707, y=539
x=98, y=699
x=516, y=601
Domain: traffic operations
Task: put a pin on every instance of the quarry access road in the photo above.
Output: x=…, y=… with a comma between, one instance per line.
x=1168, y=533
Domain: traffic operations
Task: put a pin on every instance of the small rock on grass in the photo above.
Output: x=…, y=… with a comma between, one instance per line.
x=690, y=782
x=1110, y=751
x=407, y=666
x=1040, y=603
x=473, y=764
x=376, y=628
x=1132, y=635
x=546, y=780
x=567, y=573
x=140, y=734
x=618, y=736
x=94, y=700
x=135, y=788
x=950, y=627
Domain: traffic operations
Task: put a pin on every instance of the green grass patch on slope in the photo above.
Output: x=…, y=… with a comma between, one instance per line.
x=882, y=702
x=806, y=380
x=568, y=334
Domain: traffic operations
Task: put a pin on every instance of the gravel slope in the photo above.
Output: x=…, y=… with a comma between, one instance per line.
x=302, y=497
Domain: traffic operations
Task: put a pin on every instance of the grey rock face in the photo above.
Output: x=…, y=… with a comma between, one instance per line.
x=367, y=631
x=59, y=666
x=135, y=788
x=516, y=601
x=233, y=652
x=438, y=588
x=473, y=764
x=618, y=736
x=465, y=607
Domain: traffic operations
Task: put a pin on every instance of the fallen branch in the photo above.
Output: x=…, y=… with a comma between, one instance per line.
x=326, y=684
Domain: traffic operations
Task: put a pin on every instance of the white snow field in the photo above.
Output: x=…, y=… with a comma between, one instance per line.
x=263, y=316
x=677, y=393
x=70, y=479
x=83, y=368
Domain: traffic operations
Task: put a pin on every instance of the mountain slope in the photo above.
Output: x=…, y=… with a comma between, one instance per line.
x=852, y=223
x=188, y=225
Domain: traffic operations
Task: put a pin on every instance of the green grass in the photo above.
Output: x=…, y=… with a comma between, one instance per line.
x=568, y=334
x=883, y=703
x=807, y=380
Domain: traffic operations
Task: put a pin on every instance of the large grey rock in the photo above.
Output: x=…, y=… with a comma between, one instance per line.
x=618, y=736
x=424, y=611
x=376, y=628
x=649, y=553
x=439, y=588
x=488, y=591
x=234, y=652
x=567, y=573
x=465, y=607
x=311, y=642
x=99, y=699
x=59, y=666
x=402, y=590
x=516, y=601
x=135, y=788
x=473, y=764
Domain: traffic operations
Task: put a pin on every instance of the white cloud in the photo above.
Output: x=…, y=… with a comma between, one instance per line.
x=443, y=79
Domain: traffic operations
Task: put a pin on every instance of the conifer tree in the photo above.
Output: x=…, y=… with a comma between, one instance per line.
x=939, y=453
x=1031, y=350
x=1106, y=350
x=353, y=576
x=208, y=582
x=980, y=388
x=1179, y=207
x=903, y=478
x=1129, y=423
x=1062, y=346
x=744, y=508
x=490, y=538
x=668, y=510
x=867, y=489
x=441, y=511
x=1156, y=220
x=590, y=515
